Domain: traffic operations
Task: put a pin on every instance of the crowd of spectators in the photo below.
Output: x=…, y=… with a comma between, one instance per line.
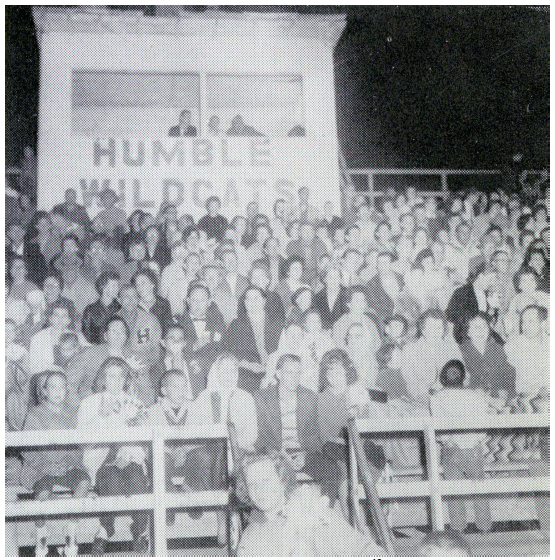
x=285, y=324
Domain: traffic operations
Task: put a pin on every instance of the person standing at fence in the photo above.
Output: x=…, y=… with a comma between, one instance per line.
x=63, y=466
x=462, y=455
x=119, y=469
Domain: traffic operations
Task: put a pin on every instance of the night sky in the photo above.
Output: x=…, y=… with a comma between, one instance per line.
x=454, y=87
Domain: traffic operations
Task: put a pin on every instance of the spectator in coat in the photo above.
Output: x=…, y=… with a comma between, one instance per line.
x=384, y=288
x=331, y=301
x=146, y=283
x=467, y=300
x=213, y=223
x=485, y=359
x=252, y=337
x=97, y=315
x=309, y=248
x=157, y=253
x=286, y=418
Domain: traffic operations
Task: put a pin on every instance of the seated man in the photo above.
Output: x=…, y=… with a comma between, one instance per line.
x=286, y=417
x=291, y=520
x=184, y=128
x=45, y=468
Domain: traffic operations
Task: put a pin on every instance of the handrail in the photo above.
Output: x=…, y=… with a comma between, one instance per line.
x=436, y=487
x=384, y=532
x=447, y=423
x=157, y=501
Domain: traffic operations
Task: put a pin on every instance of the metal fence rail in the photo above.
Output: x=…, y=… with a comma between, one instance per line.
x=443, y=174
x=157, y=501
x=435, y=487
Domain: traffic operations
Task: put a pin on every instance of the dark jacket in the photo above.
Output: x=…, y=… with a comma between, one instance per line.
x=274, y=307
x=239, y=340
x=95, y=319
x=213, y=226
x=329, y=316
x=490, y=371
x=215, y=324
x=462, y=306
x=162, y=255
x=269, y=420
x=176, y=131
x=378, y=299
x=162, y=311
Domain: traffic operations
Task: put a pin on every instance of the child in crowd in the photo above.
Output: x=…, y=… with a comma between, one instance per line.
x=63, y=466
x=462, y=453
x=118, y=469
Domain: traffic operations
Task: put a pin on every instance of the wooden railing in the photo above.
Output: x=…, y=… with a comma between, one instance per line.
x=158, y=501
x=435, y=488
x=443, y=174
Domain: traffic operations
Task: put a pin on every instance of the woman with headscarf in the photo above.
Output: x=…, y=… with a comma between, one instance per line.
x=221, y=402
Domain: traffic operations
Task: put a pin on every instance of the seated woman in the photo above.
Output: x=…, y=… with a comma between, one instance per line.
x=119, y=469
x=342, y=396
x=301, y=302
x=221, y=402
x=293, y=270
x=291, y=520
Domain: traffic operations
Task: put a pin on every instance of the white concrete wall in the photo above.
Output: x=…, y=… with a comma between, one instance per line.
x=68, y=161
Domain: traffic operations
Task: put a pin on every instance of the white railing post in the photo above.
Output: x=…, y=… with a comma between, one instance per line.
x=432, y=463
x=159, y=488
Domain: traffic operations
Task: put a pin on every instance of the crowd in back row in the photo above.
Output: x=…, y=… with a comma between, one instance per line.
x=338, y=312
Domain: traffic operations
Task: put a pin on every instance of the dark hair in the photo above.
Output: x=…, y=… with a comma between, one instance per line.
x=100, y=381
x=250, y=288
x=424, y=254
x=42, y=381
x=67, y=337
x=276, y=203
x=284, y=358
x=337, y=355
x=72, y=236
x=533, y=251
x=64, y=304
x=117, y=319
x=542, y=314
x=188, y=231
x=281, y=463
x=524, y=270
x=99, y=238
x=447, y=379
x=382, y=223
x=292, y=259
x=430, y=314
x=198, y=286
x=523, y=233
x=170, y=373
x=310, y=311
x=57, y=276
x=212, y=199
x=150, y=274
x=444, y=540
x=538, y=208
x=399, y=318
x=389, y=253
x=103, y=280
